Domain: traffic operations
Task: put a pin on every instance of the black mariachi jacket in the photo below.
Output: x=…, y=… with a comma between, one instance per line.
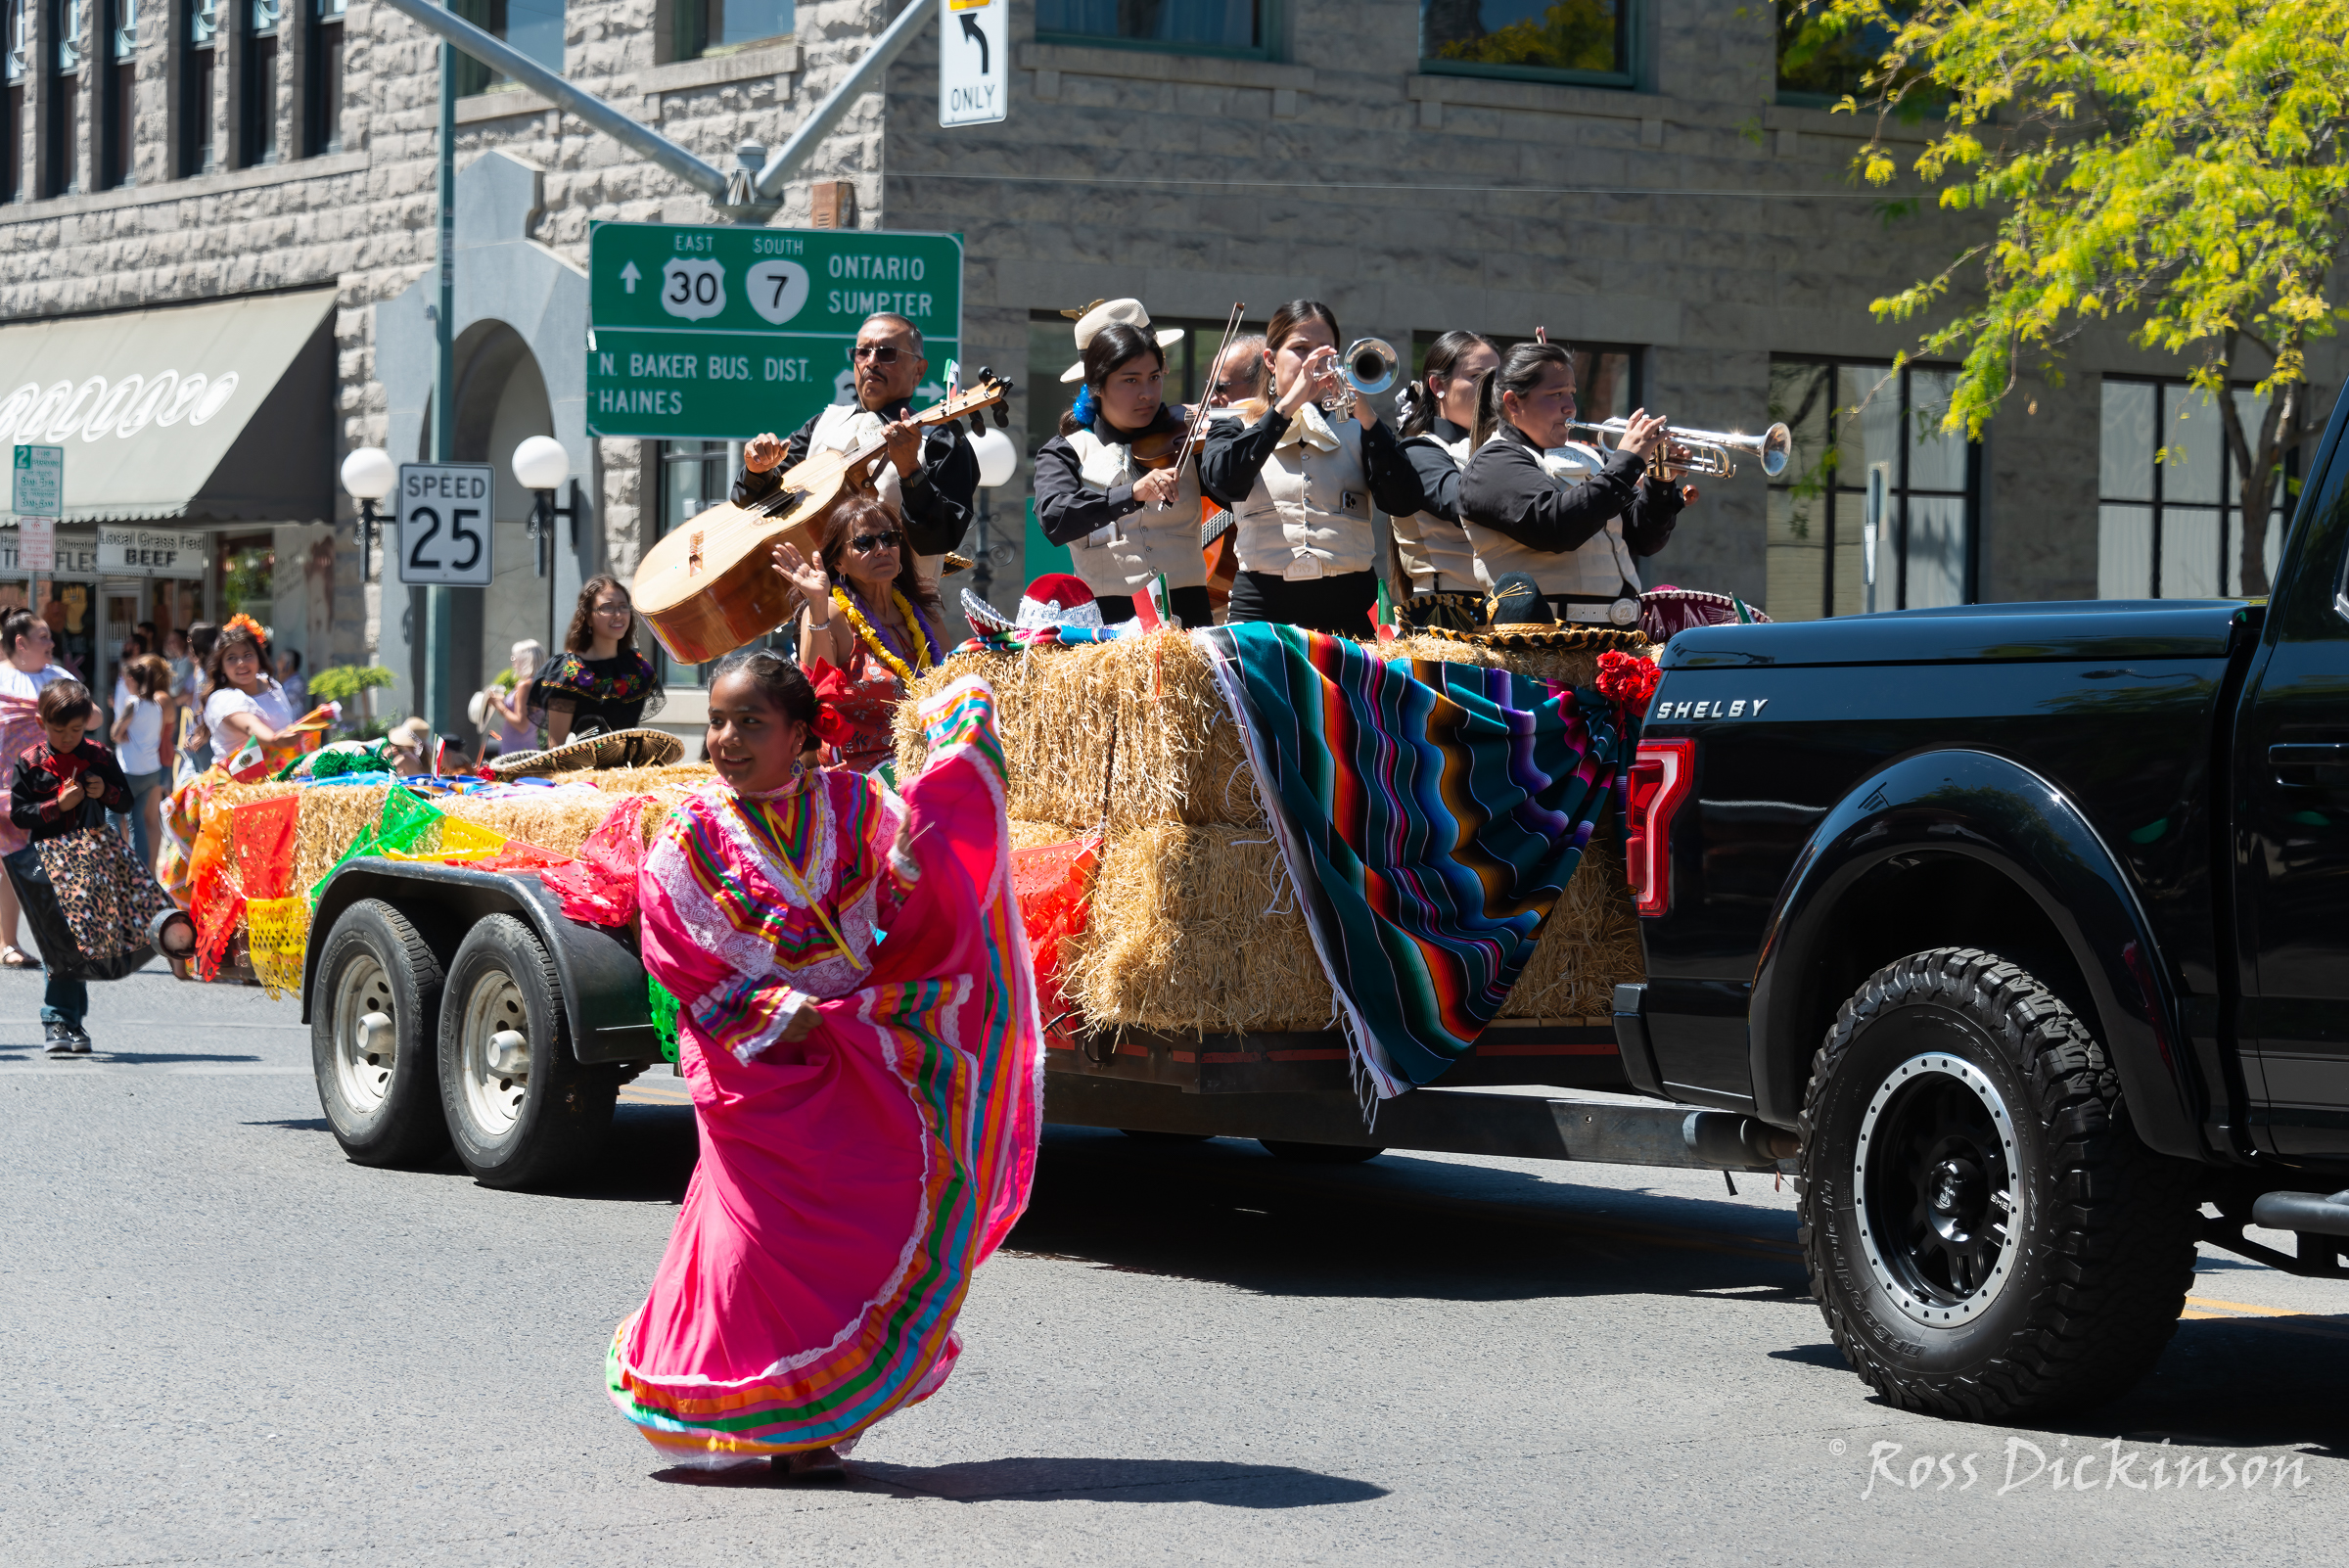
x=937, y=492
x=1505, y=489
x=33, y=791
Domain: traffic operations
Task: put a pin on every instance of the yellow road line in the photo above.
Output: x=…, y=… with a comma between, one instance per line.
x=2241, y=1306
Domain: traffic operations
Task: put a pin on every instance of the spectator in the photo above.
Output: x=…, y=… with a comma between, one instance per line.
x=139, y=728
x=510, y=725
x=25, y=671
x=411, y=746
x=195, y=740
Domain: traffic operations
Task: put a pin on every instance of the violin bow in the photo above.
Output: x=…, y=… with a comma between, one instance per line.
x=1198, y=420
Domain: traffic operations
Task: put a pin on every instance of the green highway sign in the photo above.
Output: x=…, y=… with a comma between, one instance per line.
x=707, y=333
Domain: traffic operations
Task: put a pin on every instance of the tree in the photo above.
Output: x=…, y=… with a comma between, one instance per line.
x=2173, y=164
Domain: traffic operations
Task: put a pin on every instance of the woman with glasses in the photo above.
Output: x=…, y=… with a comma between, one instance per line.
x=932, y=472
x=1572, y=518
x=869, y=627
x=1302, y=480
x=1124, y=518
x=599, y=682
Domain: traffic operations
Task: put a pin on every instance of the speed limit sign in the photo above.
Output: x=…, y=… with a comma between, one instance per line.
x=444, y=524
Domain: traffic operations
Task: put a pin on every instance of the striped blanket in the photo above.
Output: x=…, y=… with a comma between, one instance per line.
x=1431, y=814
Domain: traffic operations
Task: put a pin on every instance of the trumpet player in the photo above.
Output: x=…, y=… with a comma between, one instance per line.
x=1301, y=477
x=1438, y=415
x=1574, y=519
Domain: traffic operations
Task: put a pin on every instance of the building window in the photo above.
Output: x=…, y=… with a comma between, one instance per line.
x=721, y=27
x=2169, y=499
x=534, y=27
x=256, y=136
x=1052, y=349
x=322, y=82
x=12, y=146
x=1191, y=27
x=1868, y=439
x=118, y=92
x=1594, y=41
x=199, y=71
x=1606, y=375
x=691, y=477
x=65, y=97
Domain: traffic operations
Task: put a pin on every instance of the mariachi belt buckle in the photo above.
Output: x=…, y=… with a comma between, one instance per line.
x=1623, y=612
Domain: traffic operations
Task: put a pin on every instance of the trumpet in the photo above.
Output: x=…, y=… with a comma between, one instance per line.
x=1709, y=452
x=1367, y=368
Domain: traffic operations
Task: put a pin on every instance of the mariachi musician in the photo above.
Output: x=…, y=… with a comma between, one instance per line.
x=1437, y=414
x=1114, y=485
x=932, y=472
x=1301, y=482
x=1574, y=519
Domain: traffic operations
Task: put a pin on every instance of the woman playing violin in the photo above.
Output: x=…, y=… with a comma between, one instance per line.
x=1114, y=485
x=869, y=627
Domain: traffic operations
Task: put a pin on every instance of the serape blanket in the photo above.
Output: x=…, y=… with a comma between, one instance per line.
x=1430, y=813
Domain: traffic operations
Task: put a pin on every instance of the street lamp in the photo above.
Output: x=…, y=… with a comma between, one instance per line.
x=368, y=474
x=540, y=465
x=997, y=457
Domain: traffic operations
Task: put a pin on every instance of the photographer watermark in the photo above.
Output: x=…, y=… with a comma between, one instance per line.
x=2102, y=1468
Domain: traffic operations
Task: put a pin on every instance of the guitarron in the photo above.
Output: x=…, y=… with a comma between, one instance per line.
x=710, y=586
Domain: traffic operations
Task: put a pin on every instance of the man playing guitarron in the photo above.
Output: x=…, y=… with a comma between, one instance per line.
x=932, y=472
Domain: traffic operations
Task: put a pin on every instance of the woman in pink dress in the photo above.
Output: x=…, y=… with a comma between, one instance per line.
x=868, y=1108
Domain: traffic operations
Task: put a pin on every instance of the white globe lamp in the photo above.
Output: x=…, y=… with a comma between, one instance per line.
x=368, y=474
x=999, y=459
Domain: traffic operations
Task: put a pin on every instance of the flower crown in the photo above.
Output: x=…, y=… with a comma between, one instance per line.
x=243, y=621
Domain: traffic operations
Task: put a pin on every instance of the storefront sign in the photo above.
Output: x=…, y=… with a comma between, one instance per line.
x=150, y=553
x=37, y=484
x=37, y=540
x=75, y=554
x=714, y=333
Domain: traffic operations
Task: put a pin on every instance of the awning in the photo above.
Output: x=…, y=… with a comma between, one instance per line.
x=204, y=413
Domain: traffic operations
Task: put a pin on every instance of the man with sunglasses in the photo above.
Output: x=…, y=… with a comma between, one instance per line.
x=932, y=474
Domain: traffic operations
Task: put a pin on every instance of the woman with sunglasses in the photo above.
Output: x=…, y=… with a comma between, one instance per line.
x=1124, y=518
x=870, y=626
x=1300, y=482
x=932, y=472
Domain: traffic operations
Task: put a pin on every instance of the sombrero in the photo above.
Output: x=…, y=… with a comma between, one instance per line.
x=1055, y=599
x=1518, y=615
x=620, y=748
x=1110, y=313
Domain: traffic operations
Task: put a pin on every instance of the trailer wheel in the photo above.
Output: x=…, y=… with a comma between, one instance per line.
x=521, y=1110
x=1985, y=1233
x=1320, y=1152
x=371, y=1043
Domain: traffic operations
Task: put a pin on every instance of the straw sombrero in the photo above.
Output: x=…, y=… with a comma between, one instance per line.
x=620, y=748
x=1518, y=615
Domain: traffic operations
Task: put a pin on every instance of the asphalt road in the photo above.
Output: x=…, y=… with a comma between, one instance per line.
x=228, y=1344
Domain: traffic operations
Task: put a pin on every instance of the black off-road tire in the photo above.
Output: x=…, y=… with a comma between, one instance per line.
x=382, y=1112
x=536, y=1127
x=1322, y=1153
x=2077, y=1303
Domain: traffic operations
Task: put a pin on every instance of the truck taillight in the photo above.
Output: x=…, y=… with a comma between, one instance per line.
x=1660, y=777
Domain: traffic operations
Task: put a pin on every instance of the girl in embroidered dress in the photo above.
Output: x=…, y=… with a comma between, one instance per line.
x=599, y=684
x=870, y=626
x=868, y=1110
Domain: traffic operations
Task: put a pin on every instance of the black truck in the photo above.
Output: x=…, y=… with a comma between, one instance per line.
x=2032, y=921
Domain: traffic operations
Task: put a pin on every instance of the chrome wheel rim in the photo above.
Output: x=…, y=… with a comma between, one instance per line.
x=364, y=1057
x=493, y=1097
x=1940, y=1207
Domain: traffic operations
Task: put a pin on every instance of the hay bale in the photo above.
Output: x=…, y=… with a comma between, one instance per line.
x=1061, y=712
x=1034, y=835
x=1589, y=944
x=1191, y=929
x=1562, y=667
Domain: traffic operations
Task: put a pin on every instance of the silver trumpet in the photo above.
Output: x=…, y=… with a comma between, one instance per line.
x=1366, y=368
x=1710, y=452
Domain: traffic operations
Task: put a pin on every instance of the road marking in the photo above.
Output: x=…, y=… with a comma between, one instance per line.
x=2241, y=1306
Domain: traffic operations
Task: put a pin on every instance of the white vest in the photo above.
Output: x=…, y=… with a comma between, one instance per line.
x=1309, y=513
x=1121, y=558
x=844, y=426
x=1435, y=551
x=1600, y=565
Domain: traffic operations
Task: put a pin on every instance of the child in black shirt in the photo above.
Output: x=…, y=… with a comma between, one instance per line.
x=67, y=783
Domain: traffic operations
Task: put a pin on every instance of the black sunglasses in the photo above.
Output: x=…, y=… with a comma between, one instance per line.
x=880, y=354
x=867, y=544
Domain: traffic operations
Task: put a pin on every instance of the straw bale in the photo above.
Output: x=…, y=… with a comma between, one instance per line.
x=1061, y=711
x=1192, y=929
x=1589, y=944
x=1031, y=835
x=1563, y=667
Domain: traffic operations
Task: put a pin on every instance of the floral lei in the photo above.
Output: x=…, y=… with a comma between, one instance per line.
x=872, y=639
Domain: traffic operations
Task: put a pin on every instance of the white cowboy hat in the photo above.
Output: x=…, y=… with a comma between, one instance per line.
x=1107, y=313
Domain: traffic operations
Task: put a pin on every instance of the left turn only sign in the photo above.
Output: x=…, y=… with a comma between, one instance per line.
x=444, y=524
x=974, y=66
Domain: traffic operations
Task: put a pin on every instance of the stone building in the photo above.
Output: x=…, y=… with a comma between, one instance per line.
x=219, y=226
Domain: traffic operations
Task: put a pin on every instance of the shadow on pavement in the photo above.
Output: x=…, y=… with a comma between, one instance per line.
x=159, y=1058
x=1228, y=1484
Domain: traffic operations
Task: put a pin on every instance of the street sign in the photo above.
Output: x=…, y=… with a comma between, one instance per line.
x=444, y=523
x=973, y=64
x=38, y=482
x=702, y=333
x=37, y=540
